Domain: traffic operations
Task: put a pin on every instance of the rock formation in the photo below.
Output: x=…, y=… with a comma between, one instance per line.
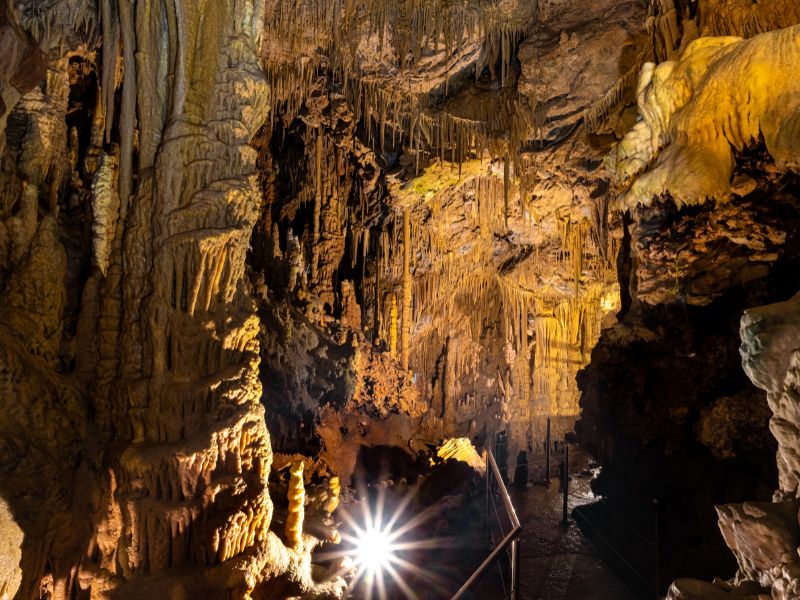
x=347, y=230
x=139, y=437
x=699, y=176
x=764, y=536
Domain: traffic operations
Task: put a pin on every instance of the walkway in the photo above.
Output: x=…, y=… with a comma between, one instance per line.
x=559, y=563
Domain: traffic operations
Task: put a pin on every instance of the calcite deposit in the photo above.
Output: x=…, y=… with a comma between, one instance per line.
x=354, y=231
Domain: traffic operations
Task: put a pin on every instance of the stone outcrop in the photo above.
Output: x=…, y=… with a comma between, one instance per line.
x=705, y=239
x=764, y=536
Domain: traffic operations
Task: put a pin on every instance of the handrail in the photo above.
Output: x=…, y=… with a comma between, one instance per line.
x=512, y=514
x=509, y=540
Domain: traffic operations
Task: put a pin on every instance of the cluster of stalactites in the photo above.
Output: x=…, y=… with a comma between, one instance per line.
x=497, y=127
x=451, y=281
x=408, y=30
x=565, y=329
x=50, y=23
x=673, y=25
x=387, y=96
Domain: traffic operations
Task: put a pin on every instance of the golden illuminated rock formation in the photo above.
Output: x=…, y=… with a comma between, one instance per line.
x=461, y=449
x=297, y=496
x=693, y=117
x=334, y=495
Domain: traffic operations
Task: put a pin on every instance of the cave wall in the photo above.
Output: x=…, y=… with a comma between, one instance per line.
x=705, y=185
x=327, y=227
x=135, y=451
x=451, y=209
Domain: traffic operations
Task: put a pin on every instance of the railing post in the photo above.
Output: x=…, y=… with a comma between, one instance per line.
x=515, y=570
x=547, y=454
x=566, y=482
x=488, y=499
x=657, y=548
x=508, y=542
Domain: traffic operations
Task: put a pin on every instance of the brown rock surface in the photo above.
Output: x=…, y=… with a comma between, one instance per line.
x=665, y=379
x=354, y=230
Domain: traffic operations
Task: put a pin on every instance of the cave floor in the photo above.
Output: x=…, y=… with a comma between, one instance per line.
x=556, y=562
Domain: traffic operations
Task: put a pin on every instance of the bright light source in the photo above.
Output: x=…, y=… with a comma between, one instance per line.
x=374, y=551
x=381, y=551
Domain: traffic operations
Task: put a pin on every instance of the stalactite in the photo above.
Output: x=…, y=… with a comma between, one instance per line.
x=393, y=322
x=127, y=121
x=105, y=210
x=573, y=242
x=506, y=177
x=412, y=28
x=596, y=114
x=110, y=27
x=405, y=340
x=377, y=315
x=318, y=191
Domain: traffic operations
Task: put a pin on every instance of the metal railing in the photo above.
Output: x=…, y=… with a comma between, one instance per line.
x=509, y=542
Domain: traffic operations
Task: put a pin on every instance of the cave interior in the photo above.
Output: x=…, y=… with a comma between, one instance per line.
x=293, y=292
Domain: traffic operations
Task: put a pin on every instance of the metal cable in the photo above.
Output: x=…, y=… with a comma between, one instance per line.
x=622, y=558
x=646, y=540
x=497, y=514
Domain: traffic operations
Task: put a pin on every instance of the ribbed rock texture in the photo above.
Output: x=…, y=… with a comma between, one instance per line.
x=134, y=441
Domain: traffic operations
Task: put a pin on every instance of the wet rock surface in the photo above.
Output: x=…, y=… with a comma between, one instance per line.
x=562, y=562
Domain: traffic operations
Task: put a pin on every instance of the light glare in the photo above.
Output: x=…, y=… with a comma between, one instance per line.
x=374, y=551
x=376, y=547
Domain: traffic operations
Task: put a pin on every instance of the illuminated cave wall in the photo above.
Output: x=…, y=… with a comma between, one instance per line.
x=322, y=226
x=489, y=160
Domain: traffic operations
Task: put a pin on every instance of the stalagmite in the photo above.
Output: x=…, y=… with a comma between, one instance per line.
x=296, y=495
x=127, y=122
x=334, y=495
